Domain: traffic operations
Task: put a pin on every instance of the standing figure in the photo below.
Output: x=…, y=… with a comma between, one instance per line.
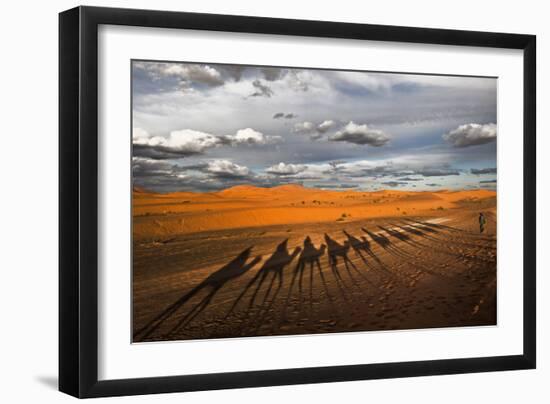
x=482, y=222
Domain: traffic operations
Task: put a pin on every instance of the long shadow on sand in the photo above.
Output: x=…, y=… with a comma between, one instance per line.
x=338, y=251
x=363, y=249
x=422, y=232
x=407, y=240
x=442, y=246
x=450, y=229
x=438, y=229
x=440, y=226
x=401, y=236
x=273, y=266
x=214, y=282
x=398, y=252
x=387, y=245
x=310, y=256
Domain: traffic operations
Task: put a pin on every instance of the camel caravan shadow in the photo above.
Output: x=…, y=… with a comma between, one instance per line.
x=214, y=282
x=309, y=258
x=255, y=301
x=272, y=268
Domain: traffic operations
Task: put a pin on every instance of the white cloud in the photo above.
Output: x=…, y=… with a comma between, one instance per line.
x=251, y=136
x=360, y=134
x=226, y=168
x=325, y=126
x=181, y=141
x=314, y=131
x=187, y=73
x=299, y=171
x=472, y=134
x=286, y=169
x=299, y=80
x=304, y=127
x=431, y=165
x=186, y=142
x=139, y=135
x=371, y=82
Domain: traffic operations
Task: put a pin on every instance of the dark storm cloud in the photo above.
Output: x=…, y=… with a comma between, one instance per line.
x=280, y=115
x=262, y=90
x=478, y=171
x=433, y=185
x=272, y=73
x=233, y=71
x=161, y=152
x=337, y=186
x=472, y=134
x=437, y=172
x=142, y=167
x=488, y=182
x=335, y=163
x=198, y=166
x=409, y=179
x=374, y=172
x=361, y=135
x=203, y=176
x=394, y=184
x=171, y=184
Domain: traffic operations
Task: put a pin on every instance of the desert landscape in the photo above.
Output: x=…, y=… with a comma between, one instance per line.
x=280, y=200
x=285, y=260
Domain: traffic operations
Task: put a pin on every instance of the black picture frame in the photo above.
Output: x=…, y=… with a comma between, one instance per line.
x=78, y=201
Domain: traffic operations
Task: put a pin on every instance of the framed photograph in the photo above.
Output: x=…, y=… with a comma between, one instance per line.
x=251, y=201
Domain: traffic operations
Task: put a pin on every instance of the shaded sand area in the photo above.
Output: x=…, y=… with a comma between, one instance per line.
x=288, y=260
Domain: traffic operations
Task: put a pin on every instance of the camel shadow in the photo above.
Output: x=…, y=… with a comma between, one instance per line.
x=214, y=282
x=386, y=244
x=363, y=249
x=310, y=256
x=422, y=233
x=336, y=251
x=273, y=266
x=401, y=236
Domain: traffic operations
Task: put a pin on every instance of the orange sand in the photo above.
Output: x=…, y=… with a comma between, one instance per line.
x=163, y=215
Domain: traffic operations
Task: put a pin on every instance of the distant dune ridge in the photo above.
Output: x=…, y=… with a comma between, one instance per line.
x=161, y=215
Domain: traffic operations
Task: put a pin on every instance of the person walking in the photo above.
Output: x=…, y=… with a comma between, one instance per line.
x=482, y=222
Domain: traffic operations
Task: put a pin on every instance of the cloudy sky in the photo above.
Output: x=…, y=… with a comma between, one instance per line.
x=206, y=127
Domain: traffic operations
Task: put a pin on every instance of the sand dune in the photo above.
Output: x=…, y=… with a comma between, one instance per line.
x=165, y=215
